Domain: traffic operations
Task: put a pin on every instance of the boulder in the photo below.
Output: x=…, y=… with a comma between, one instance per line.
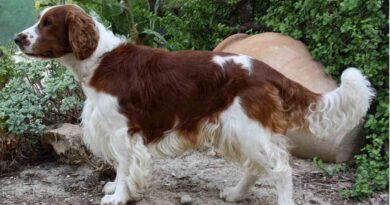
x=65, y=139
x=292, y=58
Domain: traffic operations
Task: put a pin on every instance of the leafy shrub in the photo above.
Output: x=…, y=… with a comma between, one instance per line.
x=10, y=23
x=189, y=24
x=38, y=93
x=6, y=64
x=341, y=34
x=113, y=13
x=329, y=170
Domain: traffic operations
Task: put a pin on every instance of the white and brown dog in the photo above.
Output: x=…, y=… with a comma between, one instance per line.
x=144, y=102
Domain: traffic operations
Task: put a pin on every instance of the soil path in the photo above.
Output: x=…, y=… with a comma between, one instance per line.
x=197, y=175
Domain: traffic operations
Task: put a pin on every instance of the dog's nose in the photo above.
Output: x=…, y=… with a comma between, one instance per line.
x=18, y=39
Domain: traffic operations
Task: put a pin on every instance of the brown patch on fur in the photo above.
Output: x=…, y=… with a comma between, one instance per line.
x=276, y=101
x=264, y=104
x=159, y=91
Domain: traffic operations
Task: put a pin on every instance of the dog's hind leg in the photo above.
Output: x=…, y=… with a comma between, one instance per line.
x=238, y=192
x=273, y=162
x=284, y=185
x=260, y=151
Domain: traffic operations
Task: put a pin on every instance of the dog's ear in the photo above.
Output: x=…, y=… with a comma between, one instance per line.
x=82, y=33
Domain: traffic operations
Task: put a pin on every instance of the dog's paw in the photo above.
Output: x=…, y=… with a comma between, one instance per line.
x=231, y=195
x=114, y=199
x=109, y=187
x=119, y=199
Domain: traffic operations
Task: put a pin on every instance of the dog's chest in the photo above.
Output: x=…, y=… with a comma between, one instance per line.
x=102, y=123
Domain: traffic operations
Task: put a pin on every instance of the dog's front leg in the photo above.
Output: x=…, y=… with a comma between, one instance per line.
x=119, y=189
x=132, y=172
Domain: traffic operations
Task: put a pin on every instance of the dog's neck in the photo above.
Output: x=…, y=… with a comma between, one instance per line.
x=84, y=69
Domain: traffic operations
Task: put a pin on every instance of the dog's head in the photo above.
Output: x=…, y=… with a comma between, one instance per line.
x=60, y=30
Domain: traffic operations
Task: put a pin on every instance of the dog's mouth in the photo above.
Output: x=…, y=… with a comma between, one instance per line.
x=46, y=54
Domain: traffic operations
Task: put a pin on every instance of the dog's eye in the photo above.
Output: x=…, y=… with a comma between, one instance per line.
x=46, y=23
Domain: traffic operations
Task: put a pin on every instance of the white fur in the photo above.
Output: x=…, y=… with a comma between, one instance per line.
x=246, y=141
x=105, y=133
x=239, y=134
x=339, y=111
x=140, y=161
x=32, y=37
x=103, y=125
x=109, y=187
x=243, y=60
x=171, y=145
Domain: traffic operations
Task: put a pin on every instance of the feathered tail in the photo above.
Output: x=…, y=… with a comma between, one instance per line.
x=339, y=111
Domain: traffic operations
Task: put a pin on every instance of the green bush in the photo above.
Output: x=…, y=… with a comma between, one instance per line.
x=38, y=93
x=10, y=21
x=206, y=32
x=7, y=64
x=198, y=24
x=341, y=34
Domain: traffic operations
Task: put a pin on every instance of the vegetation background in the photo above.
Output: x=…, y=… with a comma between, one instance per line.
x=15, y=15
x=339, y=34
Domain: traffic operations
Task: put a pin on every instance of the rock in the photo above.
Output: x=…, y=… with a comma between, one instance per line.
x=65, y=139
x=62, y=137
x=185, y=200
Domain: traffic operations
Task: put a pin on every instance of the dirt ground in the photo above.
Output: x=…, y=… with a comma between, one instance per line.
x=198, y=175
